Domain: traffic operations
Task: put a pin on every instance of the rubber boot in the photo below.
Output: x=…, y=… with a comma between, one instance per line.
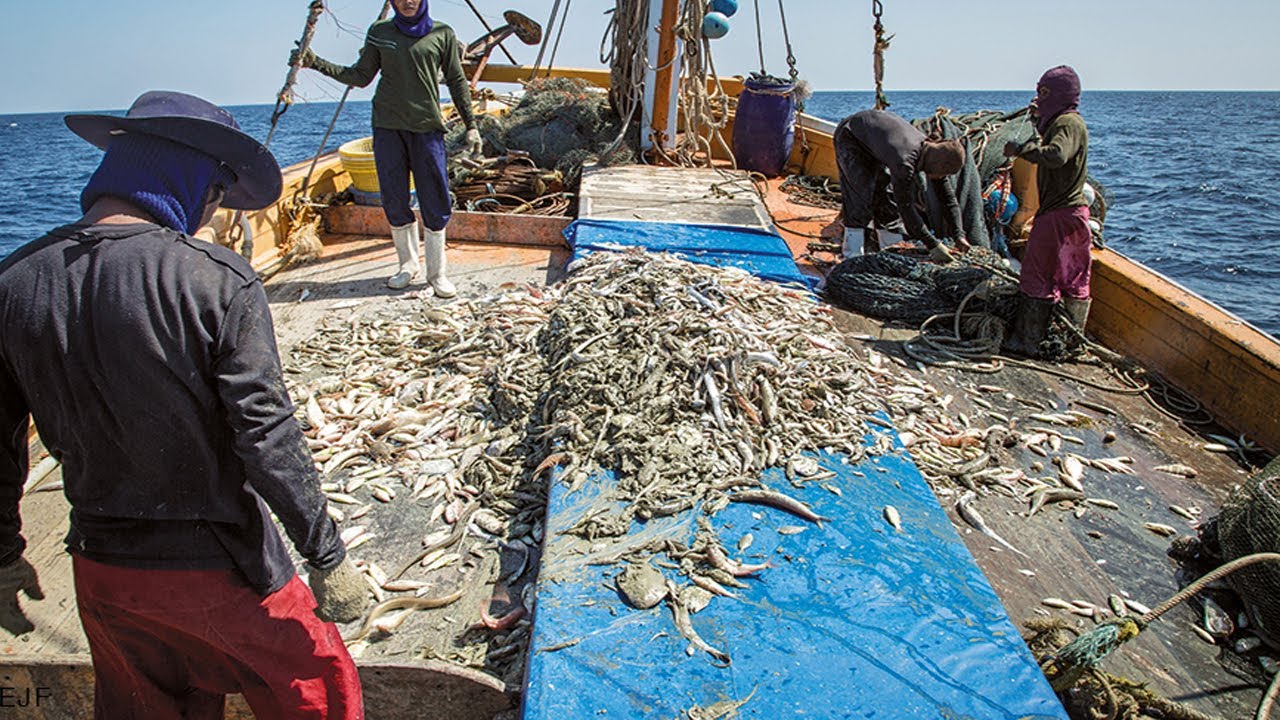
x=870, y=241
x=1077, y=311
x=852, y=245
x=405, y=239
x=1030, y=326
x=433, y=254
x=1078, y=314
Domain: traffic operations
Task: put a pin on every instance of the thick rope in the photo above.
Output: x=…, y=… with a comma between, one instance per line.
x=1269, y=699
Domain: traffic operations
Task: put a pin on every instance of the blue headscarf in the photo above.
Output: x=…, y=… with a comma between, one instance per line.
x=167, y=179
x=416, y=26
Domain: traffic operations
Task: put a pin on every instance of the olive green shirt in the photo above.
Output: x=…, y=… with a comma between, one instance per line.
x=408, y=95
x=1061, y=158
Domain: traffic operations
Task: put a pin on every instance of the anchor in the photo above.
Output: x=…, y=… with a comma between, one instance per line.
x=477, y=53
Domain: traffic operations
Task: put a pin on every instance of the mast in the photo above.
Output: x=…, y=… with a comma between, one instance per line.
x=660, y=87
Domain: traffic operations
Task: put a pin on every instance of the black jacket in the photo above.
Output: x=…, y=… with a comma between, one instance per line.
x=148, y=361
x=895, y=144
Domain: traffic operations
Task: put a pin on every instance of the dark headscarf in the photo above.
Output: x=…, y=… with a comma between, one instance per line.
x=945, y=157
x=167, y=179
x=416, y=26
x=1064, y=95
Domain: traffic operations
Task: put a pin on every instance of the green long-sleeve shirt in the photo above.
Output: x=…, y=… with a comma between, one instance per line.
x=1062, y=163
x=408, y=95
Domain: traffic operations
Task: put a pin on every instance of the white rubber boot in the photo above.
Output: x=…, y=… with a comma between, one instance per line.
x=852, y=242
x=405, y=238
x=433, y=255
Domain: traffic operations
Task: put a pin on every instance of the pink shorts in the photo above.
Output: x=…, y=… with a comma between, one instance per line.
x=171, y=644
x=1058, y=259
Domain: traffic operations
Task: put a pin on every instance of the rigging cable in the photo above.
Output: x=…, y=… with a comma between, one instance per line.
x=546, y=39
x=488, y=29
x=759, y=38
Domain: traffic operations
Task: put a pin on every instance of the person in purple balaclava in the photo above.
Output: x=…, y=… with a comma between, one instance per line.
x=410, y=50
x=1057, y=262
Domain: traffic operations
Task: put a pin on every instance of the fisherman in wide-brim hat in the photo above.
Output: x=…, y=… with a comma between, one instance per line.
x=148, y=361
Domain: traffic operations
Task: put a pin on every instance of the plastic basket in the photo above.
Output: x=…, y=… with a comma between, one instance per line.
x=357, y=160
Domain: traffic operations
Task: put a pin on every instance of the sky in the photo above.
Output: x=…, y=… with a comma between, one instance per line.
x=100, y=55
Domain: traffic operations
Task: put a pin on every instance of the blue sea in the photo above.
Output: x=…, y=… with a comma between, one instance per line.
x=1195, y=175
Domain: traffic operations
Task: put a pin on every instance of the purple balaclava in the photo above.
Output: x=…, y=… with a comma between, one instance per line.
x=166, y=179
x=416, y=26
x=1063, y=97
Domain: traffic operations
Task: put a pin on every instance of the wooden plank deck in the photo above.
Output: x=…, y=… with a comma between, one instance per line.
x=667, y=194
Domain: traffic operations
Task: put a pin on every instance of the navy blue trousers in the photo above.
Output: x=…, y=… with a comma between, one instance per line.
x=399, y=152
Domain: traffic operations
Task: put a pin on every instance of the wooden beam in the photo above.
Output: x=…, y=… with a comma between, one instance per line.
x=519, y=74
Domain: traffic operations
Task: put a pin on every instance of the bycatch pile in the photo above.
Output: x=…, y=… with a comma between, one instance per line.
x=685, y=381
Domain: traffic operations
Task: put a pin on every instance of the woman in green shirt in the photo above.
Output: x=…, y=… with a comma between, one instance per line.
x=412, y=52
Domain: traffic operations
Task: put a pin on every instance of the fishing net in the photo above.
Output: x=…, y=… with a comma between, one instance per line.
x=894, y=286
x=1250, y=523
x=560, y=123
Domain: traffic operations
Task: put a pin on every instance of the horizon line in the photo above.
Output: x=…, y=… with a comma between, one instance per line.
x=815, y=92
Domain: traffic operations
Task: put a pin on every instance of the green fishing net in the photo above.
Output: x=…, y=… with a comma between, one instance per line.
x=1250, y=523
x=561, y=123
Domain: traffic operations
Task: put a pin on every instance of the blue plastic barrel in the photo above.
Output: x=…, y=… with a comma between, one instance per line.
x=764, y=127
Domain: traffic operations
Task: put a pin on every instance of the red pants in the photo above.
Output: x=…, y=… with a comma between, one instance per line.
x=173, y=643
x=1057, y=262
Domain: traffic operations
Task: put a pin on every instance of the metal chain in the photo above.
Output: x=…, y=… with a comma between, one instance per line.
x=791, y=57
x=881, y=44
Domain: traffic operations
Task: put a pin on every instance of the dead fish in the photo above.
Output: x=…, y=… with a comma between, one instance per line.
x=1102, y=503
x=971, y=516
x=1052, y=495
x=642, y=586
x=745, y=541
x=791, y=529
x=1161, y=529
x=1184, y=512
x=1204, y=635
x=1071, y=472
x=892, y=516
x=1057, y=603
x=1117, y=605
x=1216, y=620
x=778, y=501
x=1178, y=469
x=719, y=710
x=680, y=614
x=1136, y=606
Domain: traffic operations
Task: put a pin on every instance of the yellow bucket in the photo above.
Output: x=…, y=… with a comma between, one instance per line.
x=357, y=160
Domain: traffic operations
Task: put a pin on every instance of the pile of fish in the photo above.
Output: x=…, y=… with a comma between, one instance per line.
x=685, y=381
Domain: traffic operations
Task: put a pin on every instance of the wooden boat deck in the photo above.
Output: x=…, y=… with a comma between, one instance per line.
x=1088, y=558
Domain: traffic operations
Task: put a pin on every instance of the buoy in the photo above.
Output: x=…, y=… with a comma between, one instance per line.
x=994, y=199
x=715, y=25
x=725, y=7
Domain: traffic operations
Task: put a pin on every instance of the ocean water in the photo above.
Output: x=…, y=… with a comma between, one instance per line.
x=1195, y=175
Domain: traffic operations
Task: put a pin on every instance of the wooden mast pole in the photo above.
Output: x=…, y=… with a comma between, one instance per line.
x=661, y=96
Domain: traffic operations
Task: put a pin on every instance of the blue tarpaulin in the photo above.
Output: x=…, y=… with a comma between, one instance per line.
x=760, y=252
x=854, y=619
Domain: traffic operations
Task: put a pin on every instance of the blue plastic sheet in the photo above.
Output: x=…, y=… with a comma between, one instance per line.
x=760, y=252
x=854, y=619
